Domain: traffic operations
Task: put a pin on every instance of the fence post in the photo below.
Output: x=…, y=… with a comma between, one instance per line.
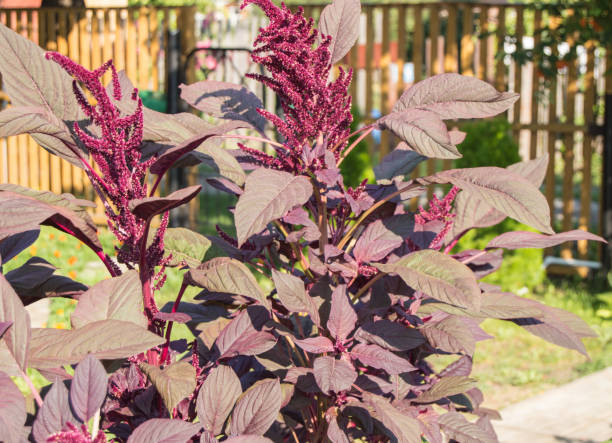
x=606, y=226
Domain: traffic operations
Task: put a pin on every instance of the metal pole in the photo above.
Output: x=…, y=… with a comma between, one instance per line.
x=606, y=219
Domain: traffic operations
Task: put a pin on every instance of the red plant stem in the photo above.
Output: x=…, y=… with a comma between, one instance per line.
x=35, y=393
x=353, y=145
x=254, y=138
x=473, y=257
x=352, y=134
x=166, y=352
x=452, y=244
x=155, y=185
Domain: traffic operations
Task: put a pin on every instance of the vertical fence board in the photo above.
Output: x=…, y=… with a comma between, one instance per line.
x=500, y=67
x=401, y=47
x=369, y=69
x=568, y=157
x=385, y=67
x=482, y=43
x=131, y=41
x=535, y=85
x=143, y=48
x=417, y=47
x=518, y=70
x=467, y=41
x=155, y=37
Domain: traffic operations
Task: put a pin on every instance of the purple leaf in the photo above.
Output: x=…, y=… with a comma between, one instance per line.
x=423, y=131
x=379, y=358
x=248, y=438
x=257, y=408
x=461, y=366
x=456, y=427
x=174, y=382
x=445, y=387
x=340, y=21
x=225, y=100
x=454, y=96
x=405, y=428
x=450, y=335
x=88, y=388
x=17, y=337
x=176, y=317
x=216, y=398
x=397, y=164
x=439, y=276
x=390, y=335
x=382, y=236
x=164, y=430
x=118, y=298
x=506, y=191
x=268, y=196
x=53, y=414
x=172, y=155
x=481, y=265
x=525, y=239
x=316, y=345
x=106, y=340
x=334, y=433
x=12, y=245
x=533, y=170
x=505, y=305
x=12, y=410
x=33, y=81
x=148, y=207
x=4, y=325
x=333, y=375
x=244, y=336
x=230, y=276
x=292, y=294
x=342, y=317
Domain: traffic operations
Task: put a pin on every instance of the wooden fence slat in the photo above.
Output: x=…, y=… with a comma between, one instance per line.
x=518, y=69
x=467, y=41
x=369, y=69
x=131, y=67
x=483, y=43
x=401, y=48
x=143, y=49
x=417, y=48
x=500, y=67
x=451, y=57
x=587, y=150
x=434, y=33
x=62, y=48
x=535, y=85
x=568, y=157
x=385, y=67
x=154, y=55
x=119, y=42
x=84, y=40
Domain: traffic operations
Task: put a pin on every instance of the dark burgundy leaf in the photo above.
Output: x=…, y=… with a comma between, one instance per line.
x=377, y=357
x=164, y=430
x=397, y=164
x=316, y=345
x=176, y=317
x=293, y=295
x=445, y=387
x=12, y=410
x=334, y=433
x=257, y=408
x=148, y=207
x=390, y=335
x=454, y=96
x=248, y=438
x=17, y=337
x=172, y=155
x=244, y=335
x=456, y=427
x=401, y=426
x=88, y=388
x=342, y=317
x=12, y=245
x=227, y=101
x=439, y=276
x=382, y=236
x=53, y=414
x=216, y=398
x=340, y=21
x=268, y=195
x=525, y=239
x=333, y=375
x=450, y=335
x=481, y=265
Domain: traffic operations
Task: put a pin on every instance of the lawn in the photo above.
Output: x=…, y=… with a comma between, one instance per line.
x=512, y=367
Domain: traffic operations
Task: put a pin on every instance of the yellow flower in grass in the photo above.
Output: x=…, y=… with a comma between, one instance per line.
x=72, y=275
x=72, y=260
x=78, y=246
x=33, y=250
x=60, y=312
x=60, y=325
x=73, y=302
x=57, y=253
x=62, y=237
x=51, y=236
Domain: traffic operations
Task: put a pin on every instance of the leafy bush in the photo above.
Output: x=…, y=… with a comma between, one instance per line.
x=354, y=293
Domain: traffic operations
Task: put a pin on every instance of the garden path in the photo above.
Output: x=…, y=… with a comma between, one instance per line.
x=578, y=412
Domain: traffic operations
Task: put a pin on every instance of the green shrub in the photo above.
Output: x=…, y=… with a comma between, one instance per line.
x=358, y=165
x=488, y=143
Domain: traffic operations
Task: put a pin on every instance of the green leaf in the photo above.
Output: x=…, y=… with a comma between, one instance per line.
x=188, y=246
x=268, y=196
x=106, y=340
x=439, y=276
x=174, y=382
x=118, y=298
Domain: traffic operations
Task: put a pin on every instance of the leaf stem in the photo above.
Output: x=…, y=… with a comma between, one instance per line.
x=165, y=352
x=367, y=286
x=253, y=138
x=96, y=424
x=30, y=384
x=321, y=214
x=296, y=250
x=365, y=215
x=353, y=145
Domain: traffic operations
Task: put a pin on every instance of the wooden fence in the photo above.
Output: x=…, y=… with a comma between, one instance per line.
x=399, y=44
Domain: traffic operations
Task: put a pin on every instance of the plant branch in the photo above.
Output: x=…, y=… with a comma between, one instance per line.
x=35, y=393
x=367, y=286
x=352, y=134
x=296, y=250
x=365, y=215
x=353, y=145
x=321, y=214
x=166, y=351
x=254, y=138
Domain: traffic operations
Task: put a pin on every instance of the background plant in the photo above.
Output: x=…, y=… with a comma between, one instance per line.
x=355, y=294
